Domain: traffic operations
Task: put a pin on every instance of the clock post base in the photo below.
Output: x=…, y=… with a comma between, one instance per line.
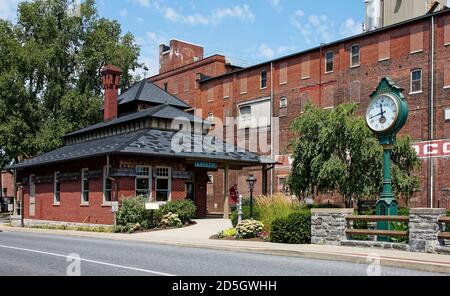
x=386, y=207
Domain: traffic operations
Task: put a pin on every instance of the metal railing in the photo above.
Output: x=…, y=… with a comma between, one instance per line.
x=444, y=235
x=389, y=233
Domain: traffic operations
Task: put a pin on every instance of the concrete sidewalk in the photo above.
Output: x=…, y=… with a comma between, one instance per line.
x=197, y=236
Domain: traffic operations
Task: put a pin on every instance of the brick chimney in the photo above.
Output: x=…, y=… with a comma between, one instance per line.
x=111, y=80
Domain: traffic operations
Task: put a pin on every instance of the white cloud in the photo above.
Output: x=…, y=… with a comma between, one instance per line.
x=313, y=28
x=150, y=52
x=243, y=13
x=350, y=27
x=274, y=3
x=8, y=9
x=267, y=52
x=124, y=13
x=144, y=3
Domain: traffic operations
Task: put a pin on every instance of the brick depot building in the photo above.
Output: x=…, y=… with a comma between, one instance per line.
x=415, y=53
x=130, y=153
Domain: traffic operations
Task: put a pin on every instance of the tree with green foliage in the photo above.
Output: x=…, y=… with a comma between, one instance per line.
x=336, y=152
x=50, y=81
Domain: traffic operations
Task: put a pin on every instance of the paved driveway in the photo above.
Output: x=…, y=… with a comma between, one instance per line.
x=198, y=232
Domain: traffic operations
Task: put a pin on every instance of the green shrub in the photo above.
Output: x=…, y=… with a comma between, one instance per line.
x=227, y=233
x=448, y=213
x=403, y=211
x=132, y=211
x=170, y=220
x=274, y=207
x=249, y=229
x=295, y=229
x=185, y=209
x=129, y=227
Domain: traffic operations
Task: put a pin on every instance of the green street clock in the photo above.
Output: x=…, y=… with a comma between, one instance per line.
x=387, y=112
x=386, y=115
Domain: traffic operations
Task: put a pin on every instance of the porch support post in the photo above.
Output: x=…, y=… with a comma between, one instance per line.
x=264, y=180
x=226, y=205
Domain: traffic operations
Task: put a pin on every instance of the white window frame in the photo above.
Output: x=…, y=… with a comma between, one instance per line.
x=83, y=174
x=411, y=92
x=31, y=185
x=261, y=80
x=105, y=202
x=169, y=189
x=55, y=177
x=149, y=177
x=326, y=61
x=285, y=105
x=359, y=56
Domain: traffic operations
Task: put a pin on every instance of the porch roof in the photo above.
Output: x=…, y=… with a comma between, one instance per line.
x=155, y=143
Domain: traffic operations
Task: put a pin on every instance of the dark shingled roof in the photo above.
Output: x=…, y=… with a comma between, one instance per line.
x=162, y=111
x=150, y=142
x=146, y=91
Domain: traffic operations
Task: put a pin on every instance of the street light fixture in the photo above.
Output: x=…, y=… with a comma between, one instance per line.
x=251, y=181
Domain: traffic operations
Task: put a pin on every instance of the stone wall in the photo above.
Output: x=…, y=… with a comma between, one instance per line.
x=15, y=222
x=328, y=226
x=424, y=229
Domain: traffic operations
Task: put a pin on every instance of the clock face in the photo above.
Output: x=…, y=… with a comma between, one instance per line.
x=382, y=113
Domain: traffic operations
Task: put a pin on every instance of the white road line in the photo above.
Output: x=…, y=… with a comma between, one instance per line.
x=90, y=261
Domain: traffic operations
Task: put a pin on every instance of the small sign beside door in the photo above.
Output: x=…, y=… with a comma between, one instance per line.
x=115, y=206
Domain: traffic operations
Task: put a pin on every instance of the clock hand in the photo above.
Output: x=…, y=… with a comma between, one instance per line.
x=377, y=115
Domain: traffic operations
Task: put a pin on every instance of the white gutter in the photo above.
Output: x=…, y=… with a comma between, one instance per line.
x=271, y=127
x=432, y=111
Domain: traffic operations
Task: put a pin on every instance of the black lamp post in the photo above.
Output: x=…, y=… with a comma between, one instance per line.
x=251, y=181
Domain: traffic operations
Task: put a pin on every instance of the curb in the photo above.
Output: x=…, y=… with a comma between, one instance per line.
x=386, y=261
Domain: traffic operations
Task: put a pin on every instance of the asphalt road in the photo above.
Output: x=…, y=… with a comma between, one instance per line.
x=48, y=255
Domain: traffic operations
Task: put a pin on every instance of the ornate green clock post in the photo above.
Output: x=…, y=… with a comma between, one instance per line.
x=386, y=116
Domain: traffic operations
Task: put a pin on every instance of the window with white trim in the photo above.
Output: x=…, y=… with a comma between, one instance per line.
x=263, y=79
x=416, y=81
x=107, y=187
x=144, y=181
x=84, y=187
x=329, y=61
x=355, y=55
x=163, y=181
x=56, y=189
x=283, y=102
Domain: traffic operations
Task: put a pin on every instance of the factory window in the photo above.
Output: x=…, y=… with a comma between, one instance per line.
x=263, y=79
x=226, y=89
x=84, y=187
x=243, y=84
x=329, y=62
x=283, y=73
x=447, y=30
x=355, y=56
x=166, y=86
x=306, y=67
x=355, y=92
x=384, y=47
x=416, y=81
x=416, y=38
x=57, y=189
x=283, y=102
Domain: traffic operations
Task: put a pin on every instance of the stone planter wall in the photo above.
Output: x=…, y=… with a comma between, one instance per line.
x=328, y=228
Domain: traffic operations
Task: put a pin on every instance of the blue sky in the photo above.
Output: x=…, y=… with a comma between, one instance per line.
x=249, y=31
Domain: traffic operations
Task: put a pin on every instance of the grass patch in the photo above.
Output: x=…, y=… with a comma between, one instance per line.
x=99, y=229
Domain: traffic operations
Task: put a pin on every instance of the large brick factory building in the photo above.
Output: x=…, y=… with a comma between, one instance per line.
x=414, y=52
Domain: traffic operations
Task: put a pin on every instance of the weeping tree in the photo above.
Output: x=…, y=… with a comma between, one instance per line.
x=50, y=80
x=334, y=151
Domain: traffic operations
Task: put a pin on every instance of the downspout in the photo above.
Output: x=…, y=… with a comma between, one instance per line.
x=271, y=127
x=431, y=129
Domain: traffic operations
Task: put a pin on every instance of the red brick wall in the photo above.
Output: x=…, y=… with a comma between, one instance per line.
x=70, y=208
